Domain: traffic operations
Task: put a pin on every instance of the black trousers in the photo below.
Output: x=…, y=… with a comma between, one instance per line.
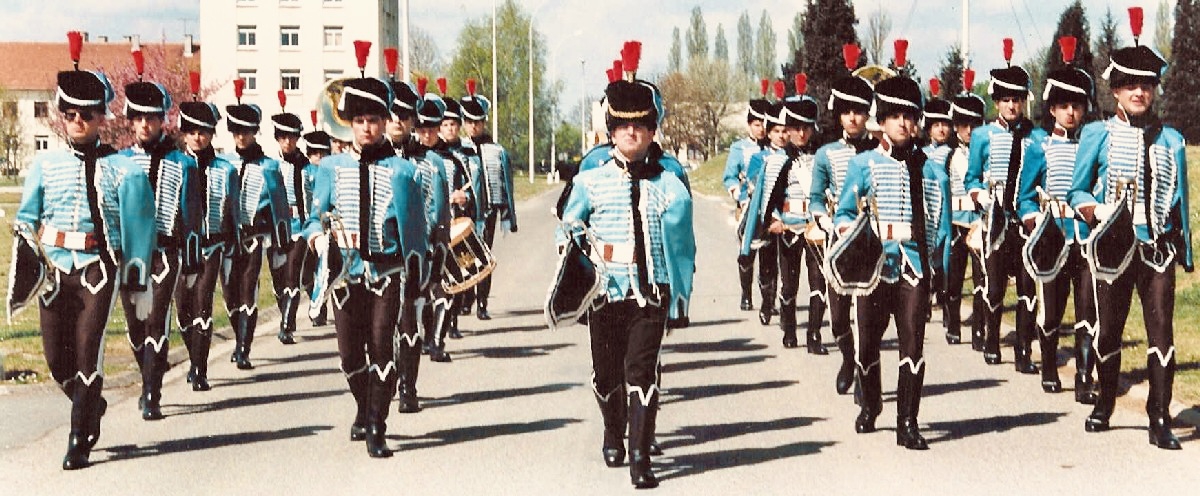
x=194, y=305
x=1075, y=274
x=73, y=319
x=907, y=304
x=164, y=271
x=625, y=341
x=365, y=319
x=999, y=265
x=955, y=279
x=240, y=285
x=791, y=259
x=286, y=281
x=768, y=271
x=484, y=288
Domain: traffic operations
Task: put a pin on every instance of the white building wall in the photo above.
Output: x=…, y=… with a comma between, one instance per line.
x=372, y=20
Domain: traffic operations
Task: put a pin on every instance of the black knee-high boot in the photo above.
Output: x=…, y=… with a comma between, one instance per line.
x=379, y=394
x=1109, y=371
x=84, y=403
x=1023, y=349
x=816, y=314
x=200, y=341
x=288, y=304
x=745, y=279
x=358, y=389
x=991, y=343
x=845, y=375
x=408, y=352
x=154, y=364
x=1158, y=404
x=1048, y=342
x=908, y=404
x=642, y=417
x=952, y=314
x=787, y=323
x=1085, y=361
x=870, y=400
x=615, y=413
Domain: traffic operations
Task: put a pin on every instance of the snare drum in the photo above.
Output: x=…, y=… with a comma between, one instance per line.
x=470, y=259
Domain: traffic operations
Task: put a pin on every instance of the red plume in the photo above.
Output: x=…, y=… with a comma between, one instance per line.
x=1135, y=22
x=801, y=81
x=766, y=87
x=391, y=57
x=850, y=53
x=470, y=86
x=935, y=86
x=421, y=84
x=239, y=84
x=75, y=42
x=968, y=79
x=139, y=62
x=780, y=90
x=612, y=78
x=194, y=82
x=631, y=55
x=441, y=84
x=1008, y=49
x=901, y=46
x=361, y=50
x=618, y=69
x=1067, y=45
x=313, y=115
x=282, y=100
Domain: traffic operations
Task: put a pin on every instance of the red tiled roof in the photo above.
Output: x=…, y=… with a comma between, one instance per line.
x=33, y=65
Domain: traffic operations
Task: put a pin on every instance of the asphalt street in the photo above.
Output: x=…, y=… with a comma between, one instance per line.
x=514, y=414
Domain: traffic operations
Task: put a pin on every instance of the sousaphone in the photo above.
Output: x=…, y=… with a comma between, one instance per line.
x=327, y=110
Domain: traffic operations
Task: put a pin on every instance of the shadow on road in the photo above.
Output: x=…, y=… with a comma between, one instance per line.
x=496, y=394
x=478, y=432
x=959, y=429
x=954, y=387
x=273, y=376
x=172, y=410
x=129, y=452
x=692, y=435
x=681, y=394
x=520, y=313
x=303, y=357
x=509, y=351
x=672, y=368
x=742, y=344
x=718, y=322
x=503, y=330
x=688, y=465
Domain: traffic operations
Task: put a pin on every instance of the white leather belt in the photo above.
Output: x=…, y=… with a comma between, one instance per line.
x=962, y=203
x=895, y=231
x=619, y=253
x=71, y=240
x=1139, y=214
x=346, y=238
x=800, y=207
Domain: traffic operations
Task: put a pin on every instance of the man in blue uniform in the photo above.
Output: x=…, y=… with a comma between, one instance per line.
x=173, y=179
x=317, y=146
x=1134, y=148
x=498, y=203
x=997, y=152
x=287, y=262
x=92, y=211
x=383, y=239
x=762, y=174
x=218, y=188
x=966, y=114
x=642, y=219
x=737, y=181
x=909, y=195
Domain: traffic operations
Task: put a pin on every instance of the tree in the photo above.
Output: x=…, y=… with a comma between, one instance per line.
x=1072, y=22
x=796, y=34
x=764, y=54
x=720, y=46
x=696, y=100
x=828, y=24
x=675, y=56
x=424, y=54
x=1162, y=29
x=1107, y=41
x=951, y=72
x=745, y=44
x=12, y=150
x=473, y=60
x=875, y=40
x=697, y=36
x=1181, y=86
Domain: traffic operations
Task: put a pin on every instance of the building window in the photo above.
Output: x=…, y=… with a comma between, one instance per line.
x=333, y=36
x=251, y=77
x=9, y=110
x=41, y=109
x=289, y=36
x=41, y=142
x=247, y=36
x=289, y=79
x=331, y=74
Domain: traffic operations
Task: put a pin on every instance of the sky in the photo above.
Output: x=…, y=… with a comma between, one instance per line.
x=592, y=31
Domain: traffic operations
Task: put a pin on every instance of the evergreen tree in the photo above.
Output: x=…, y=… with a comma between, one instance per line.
x=675, y=56
x=1162, y=29
x=745, y=44
x=1072, y=22
x=697, y=36
x=828, y=24
x=765, y=48
x=1181, y=84
x=720, y=46
x=796, y=34
x=1106, y=41
x=951, y=72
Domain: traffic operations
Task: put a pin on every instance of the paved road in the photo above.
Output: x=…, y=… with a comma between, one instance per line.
x=513, y=414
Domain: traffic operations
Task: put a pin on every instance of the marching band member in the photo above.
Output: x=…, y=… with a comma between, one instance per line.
x=317, y=145
x=378, y=228
x=174, y=181
x=850, y=99
x=912, y=199
x=762, y=174
x=966, y=114
x=264, y=219
x=737, y=181
x=649, y=246
x=452, y=120
x=935, y=134
x=219, y=190
x=498, y=202
x=997, y=150
x=1045, y=180
x=1133, y=149
x=92, y=212
x=286, y=262
x=438, y=314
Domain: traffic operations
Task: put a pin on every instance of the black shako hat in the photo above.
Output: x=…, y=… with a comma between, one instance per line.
x=144, y=97
x=405, y=100
x=776, y=115
x=637, y=102
x=850, y=93
x=967, y=108
x=365, y=96
x=432, y=111
x=1135, y=65
x=317, y=142
x=1009, y=82
x=1068, y=84
x=198, y=115
x=758, y=110
x=243, y=117
x=286, y=123
x=937, y=109
x=799, y=110
x=898, y=95
x=453, y=110
x=86, y=90
x=475, y=107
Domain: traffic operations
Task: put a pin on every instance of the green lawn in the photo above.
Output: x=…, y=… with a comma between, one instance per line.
x=526, y=190
x=706, y=179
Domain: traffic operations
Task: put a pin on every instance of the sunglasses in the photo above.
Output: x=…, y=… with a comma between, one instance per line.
x=86, y=115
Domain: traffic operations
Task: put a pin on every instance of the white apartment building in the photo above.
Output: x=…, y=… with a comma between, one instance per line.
x=293, y=45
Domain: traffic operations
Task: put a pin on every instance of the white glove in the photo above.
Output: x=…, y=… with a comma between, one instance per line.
x=319, y=244
x=733, y=192
x=143, y=301
x=278, y=258
x=1104, y=211
x=825, y=223
x=984, y=199
x=190, y=280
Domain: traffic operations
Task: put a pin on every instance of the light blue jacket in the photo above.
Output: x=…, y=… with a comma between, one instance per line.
x=1050, y=165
